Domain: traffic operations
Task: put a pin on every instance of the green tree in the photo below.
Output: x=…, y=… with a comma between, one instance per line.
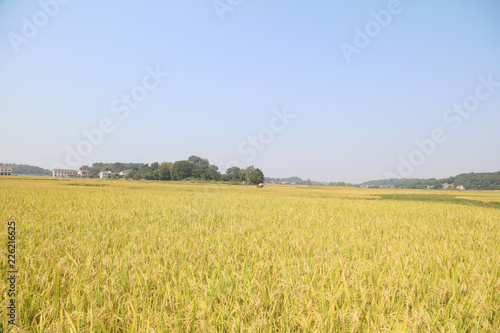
x=154, y=166
x=308, y=181
x=254, y=175
x=198, y=160
x=200, y=171
x=183, y=170
x=212, y=173
x=233, y=173
x=243, y=175
x=165, y=171
x=143, y=171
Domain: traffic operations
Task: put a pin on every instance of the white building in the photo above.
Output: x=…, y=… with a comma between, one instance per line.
x=64, y=173
x=460, y=187
x=83, y=173
x=124, y=172
x=104, y=174
x=5, y=171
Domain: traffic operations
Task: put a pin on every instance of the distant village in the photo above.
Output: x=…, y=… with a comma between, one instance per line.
x=444, y=186
x=473, y=181
x=67, y=173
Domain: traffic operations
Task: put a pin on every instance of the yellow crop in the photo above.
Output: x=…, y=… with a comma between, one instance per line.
x=123, y=256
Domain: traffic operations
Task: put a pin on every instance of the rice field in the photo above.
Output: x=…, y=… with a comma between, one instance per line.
x=124, y=256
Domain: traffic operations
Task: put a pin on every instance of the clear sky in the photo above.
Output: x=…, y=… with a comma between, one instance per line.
x=359, y=82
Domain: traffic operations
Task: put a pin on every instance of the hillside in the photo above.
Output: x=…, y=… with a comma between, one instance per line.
x=292, y=181
x=471, y=181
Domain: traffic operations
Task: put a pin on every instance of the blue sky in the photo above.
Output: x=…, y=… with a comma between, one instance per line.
x=353, y=120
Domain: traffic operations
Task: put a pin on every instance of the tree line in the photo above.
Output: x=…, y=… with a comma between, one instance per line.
x=194, y=168
x=471, y=181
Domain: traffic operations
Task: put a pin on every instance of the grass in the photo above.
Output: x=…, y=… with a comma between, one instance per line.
x=484, y=201
x=177, y=257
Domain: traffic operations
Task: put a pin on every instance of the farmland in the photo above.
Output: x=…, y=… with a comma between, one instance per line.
x=127, y=256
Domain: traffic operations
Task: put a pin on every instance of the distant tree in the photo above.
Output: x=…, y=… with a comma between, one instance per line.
x=165, y=171
x=94, y=172
x=254, y=175
x=247, y=173
x=198, y=160
x=154, y=166
x=212, y=173
x=243, y=175
x=142, y=172
x=233, y=174
x=308, y=181
x=436, y=184
x=183, y=170
x=132, y=173
x=199, y=171
x=117, y=167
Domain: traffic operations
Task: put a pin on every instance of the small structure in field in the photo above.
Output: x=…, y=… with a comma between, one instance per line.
x=83, y=173
x=5, y=171
x=125, y=172
x=104, y=174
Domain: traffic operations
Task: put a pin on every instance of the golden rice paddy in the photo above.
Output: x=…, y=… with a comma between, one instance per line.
x=124, y=256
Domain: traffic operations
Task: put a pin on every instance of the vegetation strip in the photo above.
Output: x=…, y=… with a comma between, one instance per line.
x=439, y=198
